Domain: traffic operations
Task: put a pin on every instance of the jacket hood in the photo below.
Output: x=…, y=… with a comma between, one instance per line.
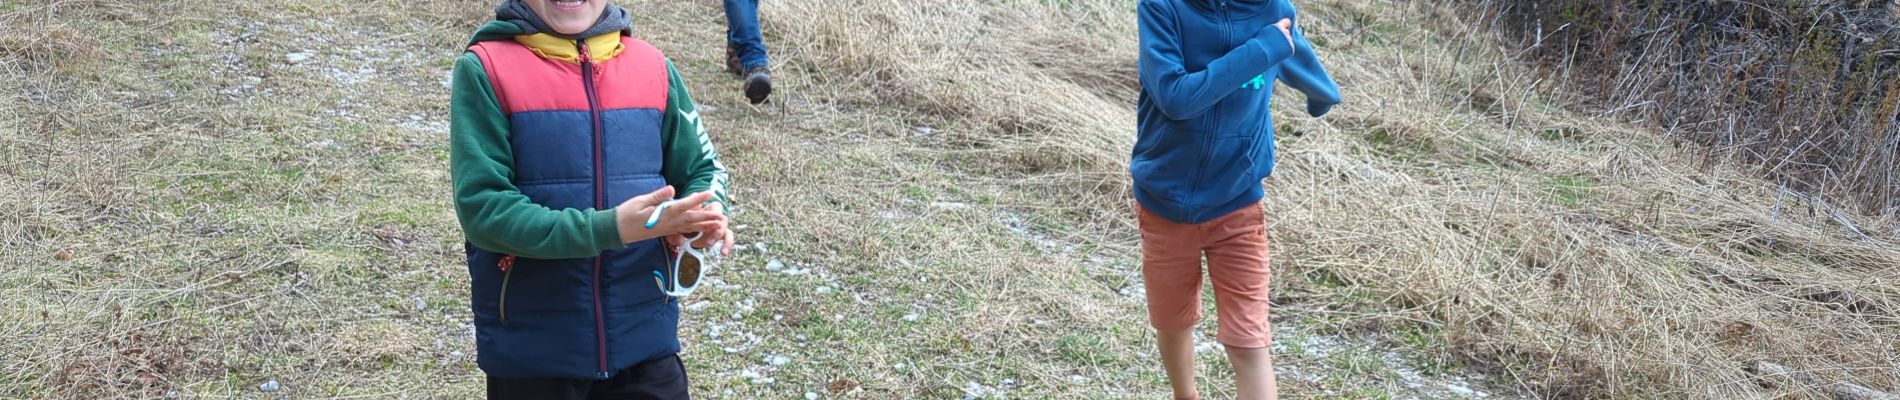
x=612, y=19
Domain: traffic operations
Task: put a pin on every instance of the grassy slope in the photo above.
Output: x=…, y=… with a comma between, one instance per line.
x=172, y=227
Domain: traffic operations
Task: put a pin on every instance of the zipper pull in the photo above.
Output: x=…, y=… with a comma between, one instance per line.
x=507, y=262
x=586, y=57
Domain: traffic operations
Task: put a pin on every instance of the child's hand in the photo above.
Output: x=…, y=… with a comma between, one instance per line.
x=722, y=234
x=1286, y=28
x=632, y=215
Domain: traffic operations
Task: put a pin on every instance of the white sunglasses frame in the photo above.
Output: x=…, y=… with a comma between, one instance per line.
x=707, y=258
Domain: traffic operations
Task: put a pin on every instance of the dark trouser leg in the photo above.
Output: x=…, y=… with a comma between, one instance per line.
x=659, y=379
x=538, y=388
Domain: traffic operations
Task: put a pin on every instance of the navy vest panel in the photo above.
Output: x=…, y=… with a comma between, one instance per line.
x=581, y=317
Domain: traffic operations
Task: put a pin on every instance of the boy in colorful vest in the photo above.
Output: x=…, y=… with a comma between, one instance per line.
x=566, y=134
x=1205, y=142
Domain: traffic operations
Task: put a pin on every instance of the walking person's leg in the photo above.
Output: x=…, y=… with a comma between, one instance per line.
x=745, y=49
x=1237, y=264
x=1171, y=272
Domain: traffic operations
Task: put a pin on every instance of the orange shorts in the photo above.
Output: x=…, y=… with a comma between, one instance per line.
x=1236, y=248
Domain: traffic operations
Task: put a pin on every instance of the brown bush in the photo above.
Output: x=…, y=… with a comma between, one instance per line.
x=1805, y=90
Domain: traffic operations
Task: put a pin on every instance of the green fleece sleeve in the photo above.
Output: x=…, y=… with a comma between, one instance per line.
x=692, y=165
x=495, y=215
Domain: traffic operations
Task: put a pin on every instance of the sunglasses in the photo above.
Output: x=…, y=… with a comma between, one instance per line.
x=689, y=263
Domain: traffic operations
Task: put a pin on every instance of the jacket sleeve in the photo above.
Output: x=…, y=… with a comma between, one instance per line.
x=494, y=214
x=1303, y=72
x=1183, y=94
x=692, y=164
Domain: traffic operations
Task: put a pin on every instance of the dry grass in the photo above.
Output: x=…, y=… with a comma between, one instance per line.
x=1581, y=256
x=174, y=228
x=1804, y=92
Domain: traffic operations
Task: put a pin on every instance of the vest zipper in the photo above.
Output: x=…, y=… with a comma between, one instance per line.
x=593, y=108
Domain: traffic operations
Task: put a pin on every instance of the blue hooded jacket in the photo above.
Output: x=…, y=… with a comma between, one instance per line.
x=1206, y=132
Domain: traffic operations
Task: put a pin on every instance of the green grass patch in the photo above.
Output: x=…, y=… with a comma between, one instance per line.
x=1083, y=349
x=1570, y=190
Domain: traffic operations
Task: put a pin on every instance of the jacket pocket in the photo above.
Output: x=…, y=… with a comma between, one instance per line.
x=1229, y=166
x=506, y=264
x=1167, y=167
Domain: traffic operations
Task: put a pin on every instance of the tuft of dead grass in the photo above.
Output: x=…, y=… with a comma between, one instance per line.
x=1043, y=90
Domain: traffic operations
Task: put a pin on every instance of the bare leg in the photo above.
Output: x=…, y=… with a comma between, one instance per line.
x=1253, y=373
x=1177, y=356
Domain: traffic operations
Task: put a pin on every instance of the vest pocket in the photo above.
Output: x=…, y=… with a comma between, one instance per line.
x=506, y=264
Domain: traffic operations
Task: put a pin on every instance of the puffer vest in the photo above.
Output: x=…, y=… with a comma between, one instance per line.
x=585, y=136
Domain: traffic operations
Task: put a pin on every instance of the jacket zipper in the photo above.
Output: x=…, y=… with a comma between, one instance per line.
x=593, y=108
x=1214, y=129
x=507, y=266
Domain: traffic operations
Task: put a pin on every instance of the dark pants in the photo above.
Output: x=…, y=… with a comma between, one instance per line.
x=742, y=32
x=660, y=379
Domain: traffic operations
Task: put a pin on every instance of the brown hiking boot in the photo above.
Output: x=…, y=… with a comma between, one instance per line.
x=758, y=84
x=732, y=62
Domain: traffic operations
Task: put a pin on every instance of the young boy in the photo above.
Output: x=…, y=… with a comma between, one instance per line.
x=1205, y=143
x=566, y=133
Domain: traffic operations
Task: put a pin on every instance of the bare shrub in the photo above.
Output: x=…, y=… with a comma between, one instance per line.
x=1806, y=91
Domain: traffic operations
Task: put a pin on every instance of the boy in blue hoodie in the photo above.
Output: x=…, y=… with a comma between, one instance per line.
x=1205, y=142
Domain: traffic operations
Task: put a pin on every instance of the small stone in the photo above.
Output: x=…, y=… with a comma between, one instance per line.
x=779, y=361
x=824, y=289
x=777, y=317
x=811, y=396
x=950, y=205
x=300, y=56
x=270, y=386
x=1009, y=383
x=899, y=366
x=730, y=350
x=749, y=375
x=774, y=265
x=910, y=317
x=456, y=354
x=421, y=304
x=1461, y=390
